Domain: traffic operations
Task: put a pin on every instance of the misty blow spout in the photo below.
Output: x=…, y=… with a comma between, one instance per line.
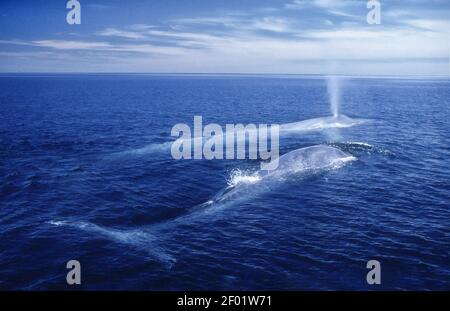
x=334, y=93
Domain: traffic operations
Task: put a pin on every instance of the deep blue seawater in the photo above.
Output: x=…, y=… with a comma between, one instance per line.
x=85, y=174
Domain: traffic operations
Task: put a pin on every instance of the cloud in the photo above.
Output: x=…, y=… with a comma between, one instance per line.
x=334, y=3
x=112, y=32
x=271, y=24
x=260, y=41
x=105, y=46
x=15, y=42
x=333, y=7
x=327, y=4
x=297, y=4
x=435, y=25
x=71, y=45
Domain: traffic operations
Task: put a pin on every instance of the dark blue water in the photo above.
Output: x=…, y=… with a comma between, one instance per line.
x=85, y=174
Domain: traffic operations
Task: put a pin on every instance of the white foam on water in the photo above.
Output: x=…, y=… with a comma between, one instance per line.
x=238, y=176
x=57, y=223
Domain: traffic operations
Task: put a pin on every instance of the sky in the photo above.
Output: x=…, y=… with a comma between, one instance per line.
x=232, y=36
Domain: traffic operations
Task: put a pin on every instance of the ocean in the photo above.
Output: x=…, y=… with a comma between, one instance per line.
x=86, y=173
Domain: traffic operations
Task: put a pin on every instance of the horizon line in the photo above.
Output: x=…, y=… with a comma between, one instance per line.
x=223, y=74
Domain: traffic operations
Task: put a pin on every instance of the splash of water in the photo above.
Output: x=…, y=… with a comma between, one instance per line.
x=334, y=94
x=238, y=176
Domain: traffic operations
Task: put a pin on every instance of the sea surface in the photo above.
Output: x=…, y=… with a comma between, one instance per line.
x=86, y=173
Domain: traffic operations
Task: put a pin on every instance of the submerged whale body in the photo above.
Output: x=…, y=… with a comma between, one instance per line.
x=339, y=121
x=140, y=239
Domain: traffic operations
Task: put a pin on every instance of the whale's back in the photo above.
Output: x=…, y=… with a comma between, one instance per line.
x=309, y=158
x=339, y=121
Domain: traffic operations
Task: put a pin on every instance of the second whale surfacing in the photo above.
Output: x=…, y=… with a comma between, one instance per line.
x=309, y=125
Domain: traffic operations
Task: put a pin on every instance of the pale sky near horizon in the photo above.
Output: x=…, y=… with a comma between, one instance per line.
x=245, y=36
